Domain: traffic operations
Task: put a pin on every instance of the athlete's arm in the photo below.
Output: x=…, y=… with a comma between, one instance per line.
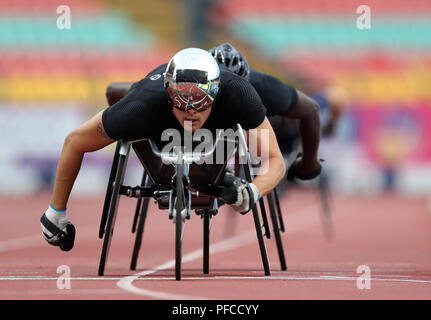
x=88, y=137
x=272, y=168
x=307, y=111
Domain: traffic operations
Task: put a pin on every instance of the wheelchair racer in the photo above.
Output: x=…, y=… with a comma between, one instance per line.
x=279, y=99
x=192, y=88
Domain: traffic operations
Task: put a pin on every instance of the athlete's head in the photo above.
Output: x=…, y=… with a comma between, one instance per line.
x=227, y=55
x=192, y=80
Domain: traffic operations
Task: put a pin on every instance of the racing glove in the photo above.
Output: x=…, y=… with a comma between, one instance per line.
x=238, y=193
x=57, y=230
x=293, y=172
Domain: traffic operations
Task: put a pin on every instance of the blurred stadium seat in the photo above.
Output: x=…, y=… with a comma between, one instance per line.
x=102, y=45
x=51, y=80
x=384, y=70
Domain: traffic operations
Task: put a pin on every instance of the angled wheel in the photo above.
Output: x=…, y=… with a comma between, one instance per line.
x=258, y=227
x=139, y=219
x=274, y=218
x=267, y=233
x=139, y=233
x=109, y=190
x=112, y=212
x=279, y=213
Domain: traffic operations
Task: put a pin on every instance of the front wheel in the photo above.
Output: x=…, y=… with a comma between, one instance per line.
x=180, y=206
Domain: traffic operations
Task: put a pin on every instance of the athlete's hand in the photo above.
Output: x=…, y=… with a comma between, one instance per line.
x=240, y=194
x=304, y=169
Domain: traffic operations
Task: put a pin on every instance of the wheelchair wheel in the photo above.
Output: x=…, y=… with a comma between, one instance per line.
x=279, y=214
x=109, y=191
x=274, y=218
x=139, y=232
x=112, y=212
x=180, y=205
x=206, y=244
x=139, y=221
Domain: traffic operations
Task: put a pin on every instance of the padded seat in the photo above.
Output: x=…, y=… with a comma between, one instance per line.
x=205, y=169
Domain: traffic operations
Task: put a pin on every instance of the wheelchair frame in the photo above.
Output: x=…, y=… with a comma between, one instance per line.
x=146, y=190
x=324, y=192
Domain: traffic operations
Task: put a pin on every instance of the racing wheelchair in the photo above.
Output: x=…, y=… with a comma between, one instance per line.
x=182, y=181
x=180, y=184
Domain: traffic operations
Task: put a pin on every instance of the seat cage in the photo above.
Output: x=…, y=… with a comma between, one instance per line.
x=203, y=170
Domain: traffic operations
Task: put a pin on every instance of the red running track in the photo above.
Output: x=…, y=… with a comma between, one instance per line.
x=390, y=234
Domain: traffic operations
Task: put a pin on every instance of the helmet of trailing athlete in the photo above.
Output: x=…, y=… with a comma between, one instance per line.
x=227, y=55
x=192, y=79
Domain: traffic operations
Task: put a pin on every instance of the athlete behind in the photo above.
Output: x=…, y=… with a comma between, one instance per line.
x=283, y=100
x=191, y=87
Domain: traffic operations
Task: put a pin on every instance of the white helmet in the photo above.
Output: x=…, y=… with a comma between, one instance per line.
x=192, y=79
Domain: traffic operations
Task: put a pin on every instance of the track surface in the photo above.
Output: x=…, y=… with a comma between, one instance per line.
x=388, y=233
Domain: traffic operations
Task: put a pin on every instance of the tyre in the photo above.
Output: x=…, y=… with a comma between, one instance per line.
x=180, y=205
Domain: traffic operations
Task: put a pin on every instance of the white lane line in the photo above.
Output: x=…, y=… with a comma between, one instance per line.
x=225, y=245
x=5, y=277
x=7, y=293
x=304, y=220
x=40, y=278
x=21, y=243
x=126, y=283
x=389, y=278
x=36, y=240
x=267, y=278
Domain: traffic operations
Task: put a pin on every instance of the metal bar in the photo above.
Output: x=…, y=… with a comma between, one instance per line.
x=113, y=208
x=279, y=213
x=139, y=203
x=271, y=203
x=109, y=191
x=206, y=237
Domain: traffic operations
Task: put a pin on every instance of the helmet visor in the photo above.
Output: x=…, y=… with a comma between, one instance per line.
x=197, y=96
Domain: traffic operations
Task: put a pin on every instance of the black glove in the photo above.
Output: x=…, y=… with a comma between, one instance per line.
x=238, y=193
x=292, y=172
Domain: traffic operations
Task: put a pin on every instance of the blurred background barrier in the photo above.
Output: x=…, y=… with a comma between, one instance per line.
x=52, y=78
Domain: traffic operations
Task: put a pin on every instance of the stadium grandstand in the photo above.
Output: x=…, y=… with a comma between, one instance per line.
x=384, y=71
x=51, y=79
x=40, y=62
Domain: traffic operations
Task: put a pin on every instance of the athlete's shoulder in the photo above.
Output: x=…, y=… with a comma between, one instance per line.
x=238, y=90
x=260, y=78
x=157, y=72
x=268, y=83
x=153, y=81
x=254, y=74
x=229, y=79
